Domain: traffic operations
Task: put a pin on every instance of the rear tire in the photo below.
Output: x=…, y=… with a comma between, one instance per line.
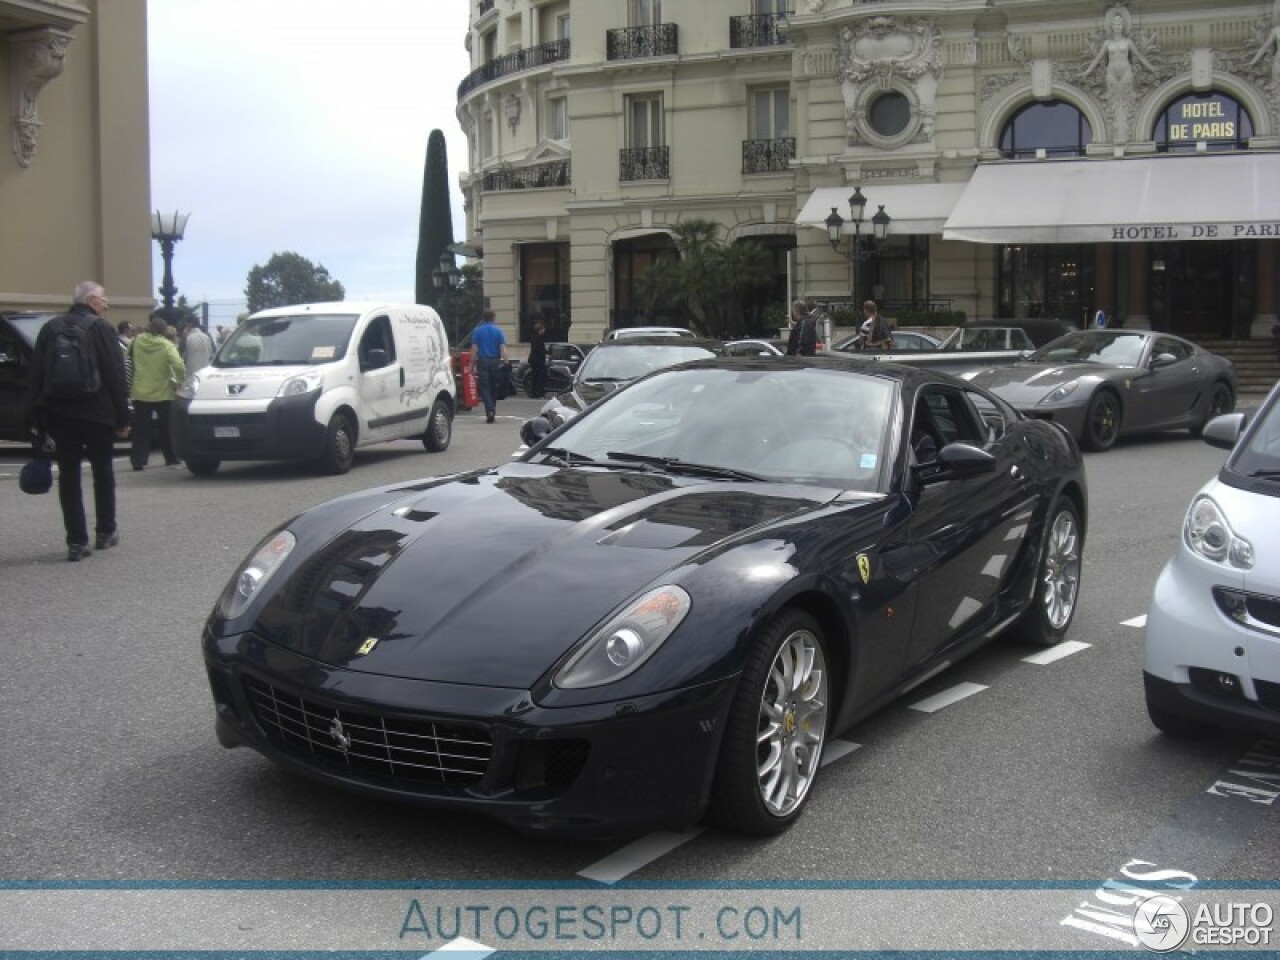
x=1101, y=422
x=201, y=467
x=439, y=428
x=1220, y=401
x=339, y=446
x=1057, y=590
x=775, y=731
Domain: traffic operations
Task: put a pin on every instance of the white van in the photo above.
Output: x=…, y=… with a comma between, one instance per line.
x=316, y=381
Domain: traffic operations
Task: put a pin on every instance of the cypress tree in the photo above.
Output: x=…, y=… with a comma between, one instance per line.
x=435, y=223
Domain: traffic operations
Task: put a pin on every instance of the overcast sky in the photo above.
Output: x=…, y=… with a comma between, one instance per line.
x=301, y=125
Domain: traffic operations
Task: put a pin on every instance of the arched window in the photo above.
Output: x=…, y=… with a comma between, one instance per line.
x=1215, y=119
x=1056, y=127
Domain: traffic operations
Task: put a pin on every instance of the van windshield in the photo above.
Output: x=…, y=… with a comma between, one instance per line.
x=300, y=340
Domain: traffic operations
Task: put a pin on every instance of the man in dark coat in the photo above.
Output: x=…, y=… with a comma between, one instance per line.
x=538, y=359
x=85, y=426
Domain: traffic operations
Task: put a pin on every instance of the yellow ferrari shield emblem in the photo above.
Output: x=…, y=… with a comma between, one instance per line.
x=864, y=567
x=366, y=646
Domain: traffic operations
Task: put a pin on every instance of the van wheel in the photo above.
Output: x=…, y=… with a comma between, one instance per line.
x=201, y=467
x=439, y=428
x=339, y=446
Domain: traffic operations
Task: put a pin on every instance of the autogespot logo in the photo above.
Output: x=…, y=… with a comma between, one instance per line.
x=1161, y=923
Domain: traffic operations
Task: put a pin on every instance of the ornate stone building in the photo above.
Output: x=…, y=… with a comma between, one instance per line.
x=1034, y=157
x=74, y=168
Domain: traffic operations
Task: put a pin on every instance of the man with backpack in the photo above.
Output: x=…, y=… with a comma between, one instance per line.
x=77, y=395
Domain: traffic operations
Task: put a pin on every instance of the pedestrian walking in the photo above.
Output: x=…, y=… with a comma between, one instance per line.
x=878, y=334
x=802, y=339
x=157, y=371
x=197, y=347
x=538, y=359
x=488, y=351
x=82, y=417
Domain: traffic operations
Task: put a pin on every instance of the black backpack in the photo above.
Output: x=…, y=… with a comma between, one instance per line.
x=70, y=368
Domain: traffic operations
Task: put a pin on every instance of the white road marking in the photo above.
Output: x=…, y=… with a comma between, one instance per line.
x=947, y=697
x=837, y=750
x=1135, y=622
x=1056, y=652
x=459, y=948
x=637, y=854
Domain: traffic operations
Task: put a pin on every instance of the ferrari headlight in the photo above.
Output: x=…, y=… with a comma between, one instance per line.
x=626, y=641
x=254, y=572
x=300, y=386
x=1060, y=393
x=1208, y=534
x=189, y=387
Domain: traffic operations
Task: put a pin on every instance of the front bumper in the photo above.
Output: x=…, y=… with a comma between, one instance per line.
x=286, y=430
x=599, y=770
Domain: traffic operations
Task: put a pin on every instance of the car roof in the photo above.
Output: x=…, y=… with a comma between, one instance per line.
x=659, y=341
x=910, y=376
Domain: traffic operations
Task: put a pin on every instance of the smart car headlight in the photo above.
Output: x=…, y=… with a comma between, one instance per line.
x=254, y=572
x=189, y=387
x=1061, y=392
x=630, y=638
x=300, y=386
x=1208, y=534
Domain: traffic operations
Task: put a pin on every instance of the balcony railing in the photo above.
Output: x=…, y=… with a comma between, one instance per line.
x=630, y=43
x=485, y=6
x=510, y=63
x=555, y=173
x=756, y=30
x=645, y=163
x=768, y=156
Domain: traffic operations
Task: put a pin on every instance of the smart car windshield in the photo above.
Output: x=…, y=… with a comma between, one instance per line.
x=1094, y=346
x=624, y=363
x=798, y=424
x=299, y=340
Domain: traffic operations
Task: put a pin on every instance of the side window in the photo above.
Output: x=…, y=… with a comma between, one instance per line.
x=1174, y=347
x=991, y=416
x=377, y=346
x=953, y=418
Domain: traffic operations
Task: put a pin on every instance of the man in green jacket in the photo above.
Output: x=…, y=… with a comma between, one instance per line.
x=157, y=371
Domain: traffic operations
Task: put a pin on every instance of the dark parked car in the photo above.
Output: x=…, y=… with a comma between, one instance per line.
x=563, y=360
x=904, y=341
x=755, y=348
x=615, y=363
x=699, y=581
x=17, y=339
x=1103, y=384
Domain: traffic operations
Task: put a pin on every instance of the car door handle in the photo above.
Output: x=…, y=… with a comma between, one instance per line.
x=1016, y=472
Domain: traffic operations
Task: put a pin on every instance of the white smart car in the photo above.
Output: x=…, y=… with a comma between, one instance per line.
x=1212, y=655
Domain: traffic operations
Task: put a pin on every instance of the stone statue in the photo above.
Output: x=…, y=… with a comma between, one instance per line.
x=1121, y=53
x=1272, y=41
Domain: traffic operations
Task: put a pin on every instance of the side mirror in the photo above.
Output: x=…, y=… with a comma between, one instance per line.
x=532, y=431
x=1163, y=360
x=1224, y=431
x=957, y=461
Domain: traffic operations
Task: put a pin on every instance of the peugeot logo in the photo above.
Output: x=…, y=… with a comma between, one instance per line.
x=339, y=735
x=235, y=389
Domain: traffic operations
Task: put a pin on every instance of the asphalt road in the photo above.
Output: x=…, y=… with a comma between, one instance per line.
x=1048, y=773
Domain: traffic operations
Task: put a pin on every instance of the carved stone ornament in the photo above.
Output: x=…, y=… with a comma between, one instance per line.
x=1121, y=65
x=889, y=53
x=35, y=57
x=1259, y=60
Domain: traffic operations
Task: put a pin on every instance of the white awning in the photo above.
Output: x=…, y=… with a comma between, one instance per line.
x=1167, y=198
x=919, y=208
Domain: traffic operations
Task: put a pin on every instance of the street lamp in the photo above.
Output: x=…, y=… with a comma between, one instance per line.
x=447, y=276
x=857, y=209
x=168, y=229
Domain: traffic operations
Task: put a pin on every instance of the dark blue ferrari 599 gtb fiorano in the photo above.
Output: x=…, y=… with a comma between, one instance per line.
x=665, y=608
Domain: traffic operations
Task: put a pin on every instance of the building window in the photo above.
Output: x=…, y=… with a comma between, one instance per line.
x=1056, y=127
x=771, y=113
x=486, y=135
x=489, y=44
x=646, y=13
x=644, y=121
x=1215, y=119
x=1047, y=280
x=889, y=114
x=544, y=289
x=760, y=7
x=557, y=118
x=562, y=26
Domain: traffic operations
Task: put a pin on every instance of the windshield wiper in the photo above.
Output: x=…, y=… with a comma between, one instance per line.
x=1255, y=474
x=563, y=457
x=676, y=465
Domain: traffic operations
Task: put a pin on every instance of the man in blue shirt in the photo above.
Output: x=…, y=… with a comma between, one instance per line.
x=488, y=350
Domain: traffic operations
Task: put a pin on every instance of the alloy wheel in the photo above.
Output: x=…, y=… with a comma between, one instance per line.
x=1060, y=576
x=792, y=723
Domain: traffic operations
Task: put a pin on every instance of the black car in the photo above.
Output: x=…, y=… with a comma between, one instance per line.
x=662, y=611
x=563, y=360
x=615, y=363
x=17, y=340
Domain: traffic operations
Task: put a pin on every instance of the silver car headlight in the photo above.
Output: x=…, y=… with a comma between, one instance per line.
x=629, y=639
x=189, y=387
x=1208, y=534
x=1061, y=392
x=300, y=386
x=254, y=573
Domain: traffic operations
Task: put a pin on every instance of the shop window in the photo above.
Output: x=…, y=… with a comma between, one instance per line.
x=1047, y=280
x=1056, y=127
x=1214, y=119
x=544, y=289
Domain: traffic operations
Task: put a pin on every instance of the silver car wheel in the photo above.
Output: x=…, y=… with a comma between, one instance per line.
x=792, y=723
x=1061, y=572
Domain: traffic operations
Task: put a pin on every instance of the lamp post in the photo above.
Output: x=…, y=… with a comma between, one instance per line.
x=446, y=278
x=168, y=229
x=858, y=251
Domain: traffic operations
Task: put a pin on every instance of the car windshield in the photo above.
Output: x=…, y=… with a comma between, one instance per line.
x=299, y=340
x=987, y=338
x=786, y=424
x=1096, y=346
x=1259, y=457
x=28, y=324
x=635, y=360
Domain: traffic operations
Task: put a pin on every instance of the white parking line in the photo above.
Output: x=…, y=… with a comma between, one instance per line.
x=947, y=697
x=1135, y=622
x=837, y=750
x=1056, y=652
x=637, y=854
x=461, y=948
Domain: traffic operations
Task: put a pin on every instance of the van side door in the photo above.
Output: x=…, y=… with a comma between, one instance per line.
x=380, y=376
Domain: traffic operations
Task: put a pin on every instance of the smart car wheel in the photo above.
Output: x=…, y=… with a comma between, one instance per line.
x=776, y=728
x=201, y=467
x=339, y=446
x=1057, y=579
x=439, y=428
x=1220, y=402
x=1102, y=421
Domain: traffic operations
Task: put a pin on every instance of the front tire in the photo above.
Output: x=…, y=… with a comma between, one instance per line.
x=339, y=446
x=201, y=467
x=439, y=428
x=1220, y=401
x=1101, y=422
x=776, y=729
x=1057, y=589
